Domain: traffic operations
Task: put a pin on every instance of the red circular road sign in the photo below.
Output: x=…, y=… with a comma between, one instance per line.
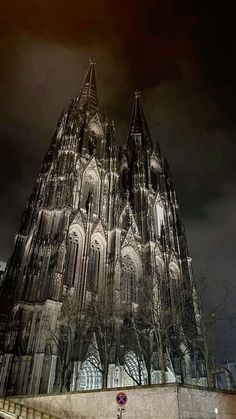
x=121, y=398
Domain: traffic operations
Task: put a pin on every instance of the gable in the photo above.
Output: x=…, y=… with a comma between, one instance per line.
x=129, y=240
x=127, y=219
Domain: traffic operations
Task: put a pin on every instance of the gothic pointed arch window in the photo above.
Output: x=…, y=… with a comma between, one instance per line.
x=129, y=279
x=73, y=256
x=105, y=198
x=94, y=265
x=158, y=218
x=95, y=135
x=72, y=260
x=90, y=376
x=135, y=367
x=90, y=190
x=92, y=143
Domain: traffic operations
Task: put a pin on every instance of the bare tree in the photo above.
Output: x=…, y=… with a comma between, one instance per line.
x=131, y=353
x=103, y=324
x=151, y=324
x=140, y=337
x=210, y=316
x=65, y=338
x=159, y=327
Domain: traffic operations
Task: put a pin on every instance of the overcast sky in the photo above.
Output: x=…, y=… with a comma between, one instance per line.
x=181, y=55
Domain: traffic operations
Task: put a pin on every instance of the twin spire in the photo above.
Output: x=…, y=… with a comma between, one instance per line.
x=87, y=96
x=88, y=99
x=138, y=123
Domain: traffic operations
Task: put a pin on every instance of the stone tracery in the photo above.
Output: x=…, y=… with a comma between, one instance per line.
x=101, y=228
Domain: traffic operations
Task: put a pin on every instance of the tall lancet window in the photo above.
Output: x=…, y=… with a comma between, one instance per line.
x=105, y=199
x=90, y=190
x=92, y=143
x=129, y=280
x=94, y=265
x=72, y=260
x=158, y=218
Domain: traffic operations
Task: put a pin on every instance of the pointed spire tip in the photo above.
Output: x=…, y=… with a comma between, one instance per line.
x=137, y=93
x=87, y=96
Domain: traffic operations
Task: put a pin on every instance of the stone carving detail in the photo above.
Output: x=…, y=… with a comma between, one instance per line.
x=101, y=253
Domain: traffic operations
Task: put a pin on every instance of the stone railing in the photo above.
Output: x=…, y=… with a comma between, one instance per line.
x=10, y=409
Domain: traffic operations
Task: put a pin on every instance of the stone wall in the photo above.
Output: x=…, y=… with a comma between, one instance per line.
x=148, y=402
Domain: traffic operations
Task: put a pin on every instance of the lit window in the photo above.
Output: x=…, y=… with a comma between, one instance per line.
x=129, y=281
x=94, y=265
x=72, y=261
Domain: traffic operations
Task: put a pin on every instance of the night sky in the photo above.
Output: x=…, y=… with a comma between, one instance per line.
x=181, y=55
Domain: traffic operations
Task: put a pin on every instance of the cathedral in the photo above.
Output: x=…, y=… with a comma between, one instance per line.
x=99, y=289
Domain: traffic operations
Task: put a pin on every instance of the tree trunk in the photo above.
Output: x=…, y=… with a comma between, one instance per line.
x=140, y=374
x=149, y=374
x=105, y=375
x=161, y=355
x=62, y=380
x=210, y=380
x=162, y=364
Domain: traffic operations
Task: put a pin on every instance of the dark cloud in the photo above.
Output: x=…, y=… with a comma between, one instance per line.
x=180, y=54
x=212, y=245
x=199, y=140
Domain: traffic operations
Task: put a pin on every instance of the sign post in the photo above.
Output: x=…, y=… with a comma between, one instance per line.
x=121, y=400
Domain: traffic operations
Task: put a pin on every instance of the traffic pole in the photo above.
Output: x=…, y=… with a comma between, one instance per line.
x=119, y=416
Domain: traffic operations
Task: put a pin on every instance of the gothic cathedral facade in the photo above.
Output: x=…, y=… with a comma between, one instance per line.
x=99, y=288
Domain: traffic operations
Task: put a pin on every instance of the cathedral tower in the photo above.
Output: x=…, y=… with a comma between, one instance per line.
x=99, y=288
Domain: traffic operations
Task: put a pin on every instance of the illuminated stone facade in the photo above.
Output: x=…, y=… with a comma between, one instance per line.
x=102, y=230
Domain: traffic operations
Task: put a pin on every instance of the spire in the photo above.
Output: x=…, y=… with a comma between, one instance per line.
x=138, y=123
x=87, y=96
